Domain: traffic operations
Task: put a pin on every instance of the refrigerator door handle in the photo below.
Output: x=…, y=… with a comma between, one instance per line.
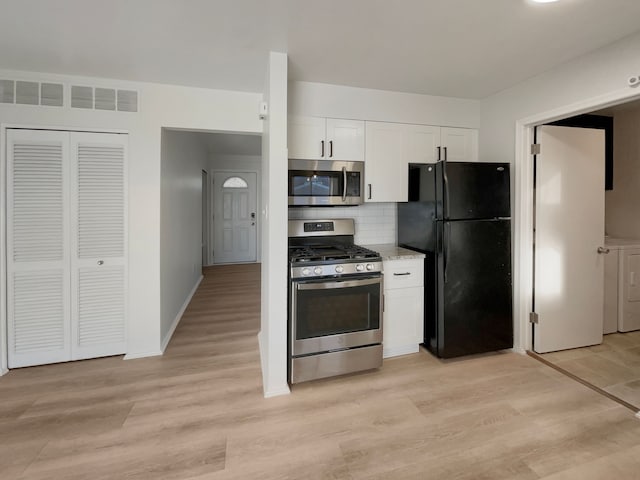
x=445, y=180
x=447, y=235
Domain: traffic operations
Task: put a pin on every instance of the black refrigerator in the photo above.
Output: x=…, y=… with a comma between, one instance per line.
x=459, y=215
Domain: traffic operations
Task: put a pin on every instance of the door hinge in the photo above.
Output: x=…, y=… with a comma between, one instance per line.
x=535, y=149
x=533, y=318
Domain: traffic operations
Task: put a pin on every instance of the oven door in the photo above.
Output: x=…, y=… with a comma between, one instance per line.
x=325, y=182
x=334, y=314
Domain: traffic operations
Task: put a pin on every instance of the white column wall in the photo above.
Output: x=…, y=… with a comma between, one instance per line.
x=273, y=329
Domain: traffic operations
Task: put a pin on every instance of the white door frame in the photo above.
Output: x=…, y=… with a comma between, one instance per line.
x=212, y=223
x=523, y=211
x=3, y=220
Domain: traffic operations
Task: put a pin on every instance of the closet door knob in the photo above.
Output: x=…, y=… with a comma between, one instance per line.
x=100, y=262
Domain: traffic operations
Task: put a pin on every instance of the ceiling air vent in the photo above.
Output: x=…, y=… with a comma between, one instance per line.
x=7, y=91
x=127, y=101
x=81, y=97
x=51, y=94
x=105, y=99
x=28, y=93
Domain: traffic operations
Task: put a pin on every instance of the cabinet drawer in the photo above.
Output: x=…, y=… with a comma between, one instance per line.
x=403, y=273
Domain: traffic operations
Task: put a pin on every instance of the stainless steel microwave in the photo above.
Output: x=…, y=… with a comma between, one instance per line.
x=325, y=183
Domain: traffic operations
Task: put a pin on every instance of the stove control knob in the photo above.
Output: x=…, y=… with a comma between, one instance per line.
x=360, y=267
x=317, y=270
x=339, y=269
x=370, y=266
x=306, y=271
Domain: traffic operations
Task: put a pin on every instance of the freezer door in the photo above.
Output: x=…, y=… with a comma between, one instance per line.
x=470, y=190
x=474, y=287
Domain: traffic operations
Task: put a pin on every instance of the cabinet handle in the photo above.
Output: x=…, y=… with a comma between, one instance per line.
x=322, y=148
x=401, y=274
x=330, y=148
x=369, y=192
x=100, y=262
x=439, y=151
x=445, y=154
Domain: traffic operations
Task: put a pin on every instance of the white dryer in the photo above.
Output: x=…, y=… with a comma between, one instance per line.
x=628, y=253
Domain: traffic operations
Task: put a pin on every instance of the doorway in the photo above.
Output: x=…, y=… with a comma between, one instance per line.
x=235, y=231
x=583, y=268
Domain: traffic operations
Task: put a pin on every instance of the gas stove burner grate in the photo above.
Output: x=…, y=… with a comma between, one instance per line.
x=327, y=253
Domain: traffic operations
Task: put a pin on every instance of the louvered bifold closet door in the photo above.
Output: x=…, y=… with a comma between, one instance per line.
x=99, y=249
x=38, y=263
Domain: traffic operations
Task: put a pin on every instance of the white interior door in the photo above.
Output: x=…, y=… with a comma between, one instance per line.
x=205, y=218
x=38, y=270
x=569, y=271
x=234, y=220
x=98, y=241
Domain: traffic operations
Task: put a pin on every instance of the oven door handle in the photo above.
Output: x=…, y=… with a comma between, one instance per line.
x=338, y=284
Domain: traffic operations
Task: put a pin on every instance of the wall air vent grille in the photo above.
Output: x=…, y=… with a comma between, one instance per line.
x=127, y=101
x=28, y=93
x=51, y=94
x=7, y=91
x=81, y=97
x=105, y=99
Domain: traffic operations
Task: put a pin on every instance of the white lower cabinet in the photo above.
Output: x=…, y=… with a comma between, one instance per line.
x=403, y=306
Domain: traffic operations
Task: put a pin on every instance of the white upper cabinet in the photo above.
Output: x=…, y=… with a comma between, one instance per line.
x=386, y=165
x=459, y=144
x=423, y=142
x=316, y=138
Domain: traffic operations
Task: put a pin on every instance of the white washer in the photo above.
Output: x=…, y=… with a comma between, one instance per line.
x=628, y=252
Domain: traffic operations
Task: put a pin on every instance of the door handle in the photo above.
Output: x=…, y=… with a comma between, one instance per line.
x=344, y=183
x=369, y=192
x=445, y=153
x=603, y=250
x=439, y=151
x=100, y=262
x=330, y=148
x=322, y=148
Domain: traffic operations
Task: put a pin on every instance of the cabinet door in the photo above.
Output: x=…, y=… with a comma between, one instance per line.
x=98, y=241
x=459, y=144
x=37, y=247
x=345, y=140
x=386, y=166
x=422, y=143
x=306, y=138
x=402, y=320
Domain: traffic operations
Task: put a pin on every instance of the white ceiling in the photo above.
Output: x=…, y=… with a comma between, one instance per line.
x=461, y=48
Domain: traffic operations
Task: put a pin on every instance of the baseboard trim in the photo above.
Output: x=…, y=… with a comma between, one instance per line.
x=4, y=371
x=133, y=356
x=397, y=351
x=176, y=321
x=277, y=392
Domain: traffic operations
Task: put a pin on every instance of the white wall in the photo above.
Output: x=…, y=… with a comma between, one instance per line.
x=238, y=163
x=595, y=80
x=602, y=73
x=160, y=106
x=337, y=101
x=183, y=157
x=375, y=222
x=622, y=219
x=273, y=328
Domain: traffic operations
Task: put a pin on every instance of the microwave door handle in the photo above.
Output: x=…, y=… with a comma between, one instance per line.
x=344, y=184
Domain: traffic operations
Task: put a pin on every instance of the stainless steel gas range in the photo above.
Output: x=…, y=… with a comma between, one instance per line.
x=335, y=301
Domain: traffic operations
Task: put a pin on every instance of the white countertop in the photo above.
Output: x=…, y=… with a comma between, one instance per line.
x=392, y=252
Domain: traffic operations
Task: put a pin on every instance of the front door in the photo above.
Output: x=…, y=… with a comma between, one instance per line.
x=569, y=229
x=234, y=221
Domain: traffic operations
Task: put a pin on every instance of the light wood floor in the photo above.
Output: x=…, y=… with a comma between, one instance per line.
x=198, y=413
x=614, y=365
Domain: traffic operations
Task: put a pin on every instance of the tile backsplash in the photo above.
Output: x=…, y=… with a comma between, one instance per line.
x=375, y=222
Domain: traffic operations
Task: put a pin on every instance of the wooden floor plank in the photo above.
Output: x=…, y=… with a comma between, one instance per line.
x=198, y=412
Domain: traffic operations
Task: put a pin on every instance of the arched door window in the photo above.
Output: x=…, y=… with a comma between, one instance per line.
x=235, y=182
